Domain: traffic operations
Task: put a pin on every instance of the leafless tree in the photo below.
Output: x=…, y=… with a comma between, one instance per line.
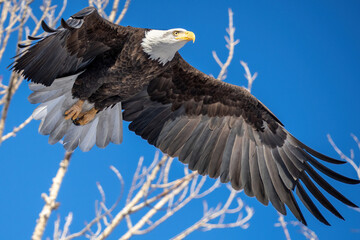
x=154, y=195
x=16, y=16
x=152, y=188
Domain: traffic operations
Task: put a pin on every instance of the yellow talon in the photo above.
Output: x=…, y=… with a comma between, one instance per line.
x=74, y=111
x=86, y=117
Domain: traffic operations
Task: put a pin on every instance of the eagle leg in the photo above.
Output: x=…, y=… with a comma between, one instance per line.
x=85, y=117
x=74, y=111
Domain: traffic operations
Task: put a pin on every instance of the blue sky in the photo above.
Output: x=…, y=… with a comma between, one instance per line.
x=307, y=55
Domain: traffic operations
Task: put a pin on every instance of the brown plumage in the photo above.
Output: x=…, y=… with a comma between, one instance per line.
x=218, y=129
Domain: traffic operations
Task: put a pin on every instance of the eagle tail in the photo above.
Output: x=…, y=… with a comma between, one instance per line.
x=55, y=100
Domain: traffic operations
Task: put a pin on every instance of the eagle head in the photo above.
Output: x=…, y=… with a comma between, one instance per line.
x=161, y=45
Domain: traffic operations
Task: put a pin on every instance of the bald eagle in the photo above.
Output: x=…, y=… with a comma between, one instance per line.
x=90, y=74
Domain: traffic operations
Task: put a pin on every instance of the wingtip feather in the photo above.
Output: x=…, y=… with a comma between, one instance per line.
x=46, y=27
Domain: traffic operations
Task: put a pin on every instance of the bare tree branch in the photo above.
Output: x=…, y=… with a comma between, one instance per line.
x=283, y=224
x=355, y=139
x=123, y=12
x=100, y=215
x=15, y=78
x=250, y=78
x=158, y=206
x=351, y=159
x=114, y=10
x=231, y=42
x=16, y=129
x=305, y=231
x=135, y=200
x=50, y=201
x=219, y=212
x=61, y=11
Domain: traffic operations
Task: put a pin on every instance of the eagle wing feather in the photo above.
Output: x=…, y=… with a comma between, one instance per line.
x=70, y=48
x=221, y=130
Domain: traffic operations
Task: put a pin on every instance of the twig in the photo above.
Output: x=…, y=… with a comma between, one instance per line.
x=50, y=201
x=123, y=12
x=16, y=129
x=167, y=170
x=174, y=207
x=68, y=221
x=231, y=42
x=343, y=156
x=283, y=224
x=114, y=10
x=15, y=77
x=5, y=10
x=219, y=212
x=134, y=201
x=355, y=139
x=154, y=210
x=14, y=18
x=147, y=202
x=61, y=11
x=100, y=216
x=305, y=231
x=250, y=78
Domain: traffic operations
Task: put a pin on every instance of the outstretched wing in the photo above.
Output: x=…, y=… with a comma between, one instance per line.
x=221, y=130
x=69, y=48
x=54, y=63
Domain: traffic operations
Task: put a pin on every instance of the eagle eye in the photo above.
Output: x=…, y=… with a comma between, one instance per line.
x=175, y=33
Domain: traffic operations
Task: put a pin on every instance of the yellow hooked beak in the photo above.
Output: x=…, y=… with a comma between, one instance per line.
x=188, y=36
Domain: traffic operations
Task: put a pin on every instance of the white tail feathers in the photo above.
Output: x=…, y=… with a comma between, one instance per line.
x=55, y=100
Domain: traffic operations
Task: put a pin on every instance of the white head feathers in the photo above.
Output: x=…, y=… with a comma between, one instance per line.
x=162, y=45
